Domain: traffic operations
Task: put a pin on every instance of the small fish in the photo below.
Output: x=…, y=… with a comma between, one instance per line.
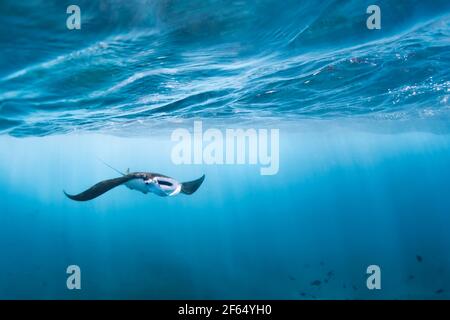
x=439, y=291
x=326, y=280
x=291, y=278
x=419, y=258
x=354, y=287
x=316, y=283
x=411, y=277
x=330, y=274
x=303, y=294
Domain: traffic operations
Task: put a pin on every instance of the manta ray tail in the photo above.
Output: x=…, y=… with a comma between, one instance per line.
x=99, y=189
x=191, y=186
x=111, y=167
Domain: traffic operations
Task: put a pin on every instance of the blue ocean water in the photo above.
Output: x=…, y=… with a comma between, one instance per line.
x=363, y=177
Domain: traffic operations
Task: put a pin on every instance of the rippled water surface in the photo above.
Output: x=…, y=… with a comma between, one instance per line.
x=364, y=148
x=146, y=61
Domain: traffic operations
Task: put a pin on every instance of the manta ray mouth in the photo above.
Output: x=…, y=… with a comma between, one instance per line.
x=165, y=183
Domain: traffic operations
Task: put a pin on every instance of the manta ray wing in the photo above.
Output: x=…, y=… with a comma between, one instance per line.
x=100, y=188
x=191, y=186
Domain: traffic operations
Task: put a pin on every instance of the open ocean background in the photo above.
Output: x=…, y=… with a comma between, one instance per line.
x=364, y=119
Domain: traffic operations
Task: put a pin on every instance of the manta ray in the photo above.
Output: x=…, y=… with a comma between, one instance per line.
x=145, y=182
